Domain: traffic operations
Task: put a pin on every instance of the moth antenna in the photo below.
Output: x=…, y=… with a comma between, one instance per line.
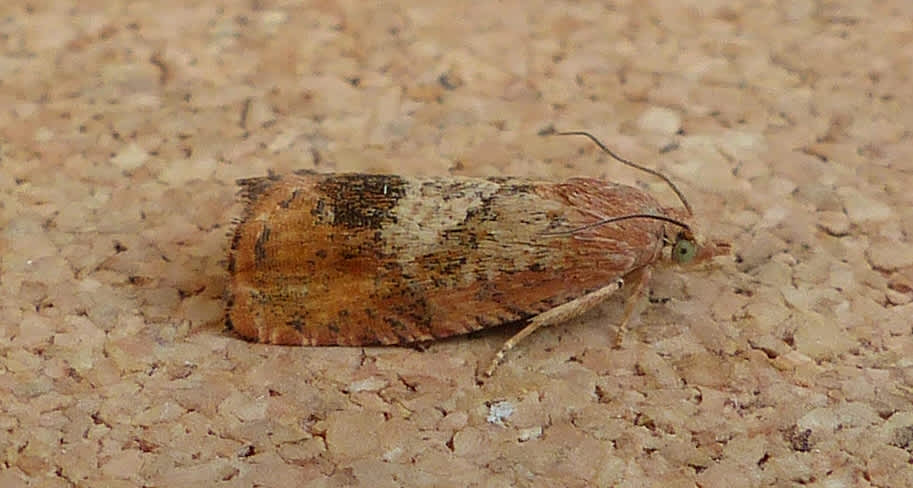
x=616, y=219
x=633, y=165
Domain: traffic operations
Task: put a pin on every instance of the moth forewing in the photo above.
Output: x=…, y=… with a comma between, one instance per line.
x=311, y=266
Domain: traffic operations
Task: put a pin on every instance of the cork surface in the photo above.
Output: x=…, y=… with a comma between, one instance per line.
x=124, y=125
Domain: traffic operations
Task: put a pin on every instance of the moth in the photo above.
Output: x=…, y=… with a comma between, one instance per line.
x=359, y=259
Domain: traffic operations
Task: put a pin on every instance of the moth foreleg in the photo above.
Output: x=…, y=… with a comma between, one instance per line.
x=552, y=316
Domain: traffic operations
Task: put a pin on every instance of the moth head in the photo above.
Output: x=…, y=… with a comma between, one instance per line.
x=686, y=249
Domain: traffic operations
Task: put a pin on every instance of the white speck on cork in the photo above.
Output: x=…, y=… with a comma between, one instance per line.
x=499, y=411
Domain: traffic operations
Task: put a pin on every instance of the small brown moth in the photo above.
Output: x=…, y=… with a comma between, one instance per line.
x=359, y=259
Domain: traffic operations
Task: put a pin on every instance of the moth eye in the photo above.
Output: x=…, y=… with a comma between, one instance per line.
x=684, y=251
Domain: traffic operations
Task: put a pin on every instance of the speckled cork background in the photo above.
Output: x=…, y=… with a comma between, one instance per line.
x=123, y=126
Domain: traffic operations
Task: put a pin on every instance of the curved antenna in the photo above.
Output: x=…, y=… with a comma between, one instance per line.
x=616, y=219
x=633, y=165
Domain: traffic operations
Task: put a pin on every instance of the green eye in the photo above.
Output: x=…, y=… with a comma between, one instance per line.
x=684, y=251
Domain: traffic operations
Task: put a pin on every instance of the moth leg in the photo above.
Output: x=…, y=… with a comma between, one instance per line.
x=557, y=315
x=640, y=277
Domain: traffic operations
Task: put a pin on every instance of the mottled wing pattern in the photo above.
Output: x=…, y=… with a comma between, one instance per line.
x=355, y=259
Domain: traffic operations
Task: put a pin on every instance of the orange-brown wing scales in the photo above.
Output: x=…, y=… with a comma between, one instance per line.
x=355, y=259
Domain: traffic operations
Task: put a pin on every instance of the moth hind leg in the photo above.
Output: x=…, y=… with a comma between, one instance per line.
x=556, y=315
